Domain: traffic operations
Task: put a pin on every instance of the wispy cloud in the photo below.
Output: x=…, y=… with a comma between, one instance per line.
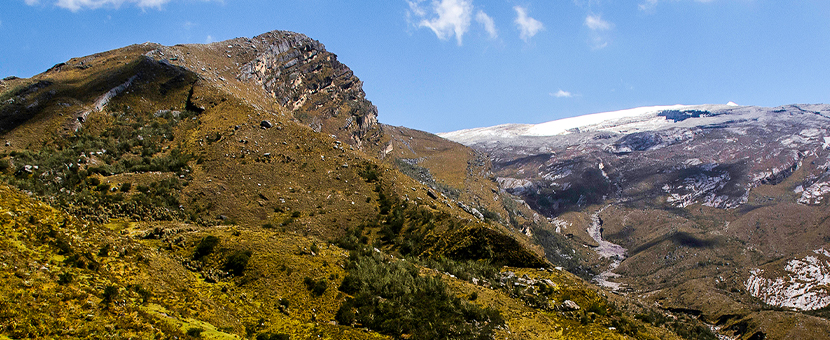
x=209, y=39
x=77, y=5
x=528, y=27
x=599, y=28
x=449, y=18
x=488, y=23
x=561, y=94
x=595, y=23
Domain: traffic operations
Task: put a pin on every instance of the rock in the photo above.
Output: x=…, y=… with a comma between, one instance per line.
x=266, y=124
x=431, y=194
x=8, y=143
x=28, y=168
x=569, y=305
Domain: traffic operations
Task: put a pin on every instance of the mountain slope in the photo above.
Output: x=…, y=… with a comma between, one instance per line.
x=721, y=201
x=244, y=189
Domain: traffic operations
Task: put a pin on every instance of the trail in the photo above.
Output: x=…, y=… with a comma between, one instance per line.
x=606, y=250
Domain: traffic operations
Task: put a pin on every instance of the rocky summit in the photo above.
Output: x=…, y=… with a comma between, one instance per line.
x=246, y=189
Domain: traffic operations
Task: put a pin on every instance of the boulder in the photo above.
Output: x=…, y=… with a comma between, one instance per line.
x=569, y=305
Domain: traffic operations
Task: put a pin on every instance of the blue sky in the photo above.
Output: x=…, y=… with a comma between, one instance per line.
x=445, y=65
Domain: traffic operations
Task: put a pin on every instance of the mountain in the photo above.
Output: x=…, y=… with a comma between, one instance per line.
x=718, y=210
x=245, y=189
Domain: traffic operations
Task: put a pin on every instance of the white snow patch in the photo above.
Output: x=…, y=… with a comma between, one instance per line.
x=562, y=126
x=803, y=286
x=814, y=193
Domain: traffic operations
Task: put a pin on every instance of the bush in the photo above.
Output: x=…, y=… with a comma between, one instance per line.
x=195, y=332
x=237, y=262
x=110, y=294
x=392, y=298
x=270, y=336
x=317, y=287
x=105, y=250
x=205, y=247
x=64, y=278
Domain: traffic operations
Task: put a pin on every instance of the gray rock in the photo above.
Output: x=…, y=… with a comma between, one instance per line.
x=569, y=305
x=266, y=124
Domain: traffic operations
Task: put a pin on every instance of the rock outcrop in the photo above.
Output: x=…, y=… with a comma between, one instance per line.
x=322, y=92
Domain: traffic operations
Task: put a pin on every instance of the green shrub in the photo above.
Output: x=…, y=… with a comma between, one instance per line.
x=105, y=250
x=392, y=298
x=110, y=294
x=205, y=247
x=64, y=278
x=317, y=287
x=237, y=262
x=271, y=336
x=195, y=332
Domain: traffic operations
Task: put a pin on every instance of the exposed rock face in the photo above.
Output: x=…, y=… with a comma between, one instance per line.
x=304, y=77
x=803, y=286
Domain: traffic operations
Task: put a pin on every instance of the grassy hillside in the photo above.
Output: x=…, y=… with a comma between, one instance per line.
x=183, y=191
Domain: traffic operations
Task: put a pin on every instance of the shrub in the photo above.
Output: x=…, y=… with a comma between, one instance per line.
x=370, y=173
x=392, y=298
x=126, y=186
x=64, y=278
x=105, y=250
x=205, y=247
x=270, y=336
x=195, y=332
x=317, y=287
x=110, y=294
x=237, y=262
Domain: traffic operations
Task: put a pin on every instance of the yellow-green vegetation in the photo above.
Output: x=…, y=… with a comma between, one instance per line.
x=155, y=192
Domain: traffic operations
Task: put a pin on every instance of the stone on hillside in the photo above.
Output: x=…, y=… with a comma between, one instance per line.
x=569, y=305
x=266, y=124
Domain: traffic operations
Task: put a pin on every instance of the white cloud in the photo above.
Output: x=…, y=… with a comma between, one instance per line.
x=76, y=5
x=599, y=30
x=488, y=23
x=595, y=23
x=209, y=39
x=450, y=17
x=528, y=27
x=562, y=94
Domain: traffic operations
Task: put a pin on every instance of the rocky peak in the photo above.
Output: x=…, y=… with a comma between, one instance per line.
x=305, y=78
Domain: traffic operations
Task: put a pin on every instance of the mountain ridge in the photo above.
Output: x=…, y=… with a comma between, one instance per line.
x=206, y=195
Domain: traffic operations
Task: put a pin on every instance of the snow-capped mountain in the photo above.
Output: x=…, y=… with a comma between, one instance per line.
x=700, y=197
x=649, y=118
